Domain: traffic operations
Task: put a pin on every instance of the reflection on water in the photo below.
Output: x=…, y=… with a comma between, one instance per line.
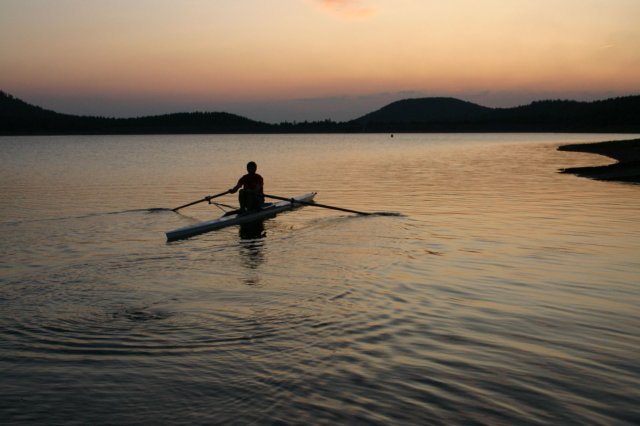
x=504, y=293
x=251, y=248
x=252, y=231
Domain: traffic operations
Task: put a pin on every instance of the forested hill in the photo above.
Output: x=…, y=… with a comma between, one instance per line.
x=425, y=110
x=18, y=117
x=448, y=114
x=410, y=115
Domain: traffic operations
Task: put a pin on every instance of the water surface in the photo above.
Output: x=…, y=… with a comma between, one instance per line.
x=504, y=293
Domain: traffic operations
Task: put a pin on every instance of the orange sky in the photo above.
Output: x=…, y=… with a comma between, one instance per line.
x=312, y=59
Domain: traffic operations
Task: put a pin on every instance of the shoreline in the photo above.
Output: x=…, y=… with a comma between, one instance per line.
x=625, y=169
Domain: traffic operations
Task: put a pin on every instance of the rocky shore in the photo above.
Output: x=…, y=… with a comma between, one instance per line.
x=627, y=154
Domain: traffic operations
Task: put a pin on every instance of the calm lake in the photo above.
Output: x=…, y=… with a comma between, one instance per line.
x=503, y=293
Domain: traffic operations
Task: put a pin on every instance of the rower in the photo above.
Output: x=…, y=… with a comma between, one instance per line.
x=251, y=195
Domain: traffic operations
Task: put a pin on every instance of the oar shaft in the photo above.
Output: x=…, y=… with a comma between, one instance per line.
x=307, y=203
x=207, y=198
x=189, y=204
x=339, y=208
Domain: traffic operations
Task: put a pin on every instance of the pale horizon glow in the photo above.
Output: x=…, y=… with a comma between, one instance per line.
x=277, y=60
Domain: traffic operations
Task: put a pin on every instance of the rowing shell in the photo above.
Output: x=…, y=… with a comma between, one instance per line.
x=267, y=210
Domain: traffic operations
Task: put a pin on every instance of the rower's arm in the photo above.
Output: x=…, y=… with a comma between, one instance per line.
x=235, y=188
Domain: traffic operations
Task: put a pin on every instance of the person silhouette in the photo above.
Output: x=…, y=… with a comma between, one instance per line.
x=251, y=195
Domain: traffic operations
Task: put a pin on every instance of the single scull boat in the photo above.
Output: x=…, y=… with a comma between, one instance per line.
x=267, y=210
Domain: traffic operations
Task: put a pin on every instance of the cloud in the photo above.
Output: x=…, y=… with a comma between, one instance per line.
x=348, y=8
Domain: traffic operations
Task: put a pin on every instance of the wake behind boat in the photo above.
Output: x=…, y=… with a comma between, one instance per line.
x=267, y=210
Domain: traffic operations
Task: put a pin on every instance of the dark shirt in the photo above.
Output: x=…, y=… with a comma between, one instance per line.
x=251, y=182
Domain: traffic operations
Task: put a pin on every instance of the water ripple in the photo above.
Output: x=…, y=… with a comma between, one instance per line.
x=504, y=293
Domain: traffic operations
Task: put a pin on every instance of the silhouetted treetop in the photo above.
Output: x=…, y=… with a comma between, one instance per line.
x=410, y=115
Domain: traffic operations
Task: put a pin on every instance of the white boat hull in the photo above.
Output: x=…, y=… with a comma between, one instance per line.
x=237, y=219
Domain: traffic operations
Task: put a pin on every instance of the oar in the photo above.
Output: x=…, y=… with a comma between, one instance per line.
x=207, y=198
x=307, y=203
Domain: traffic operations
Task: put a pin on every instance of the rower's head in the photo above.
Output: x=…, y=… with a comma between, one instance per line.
x=252, y=167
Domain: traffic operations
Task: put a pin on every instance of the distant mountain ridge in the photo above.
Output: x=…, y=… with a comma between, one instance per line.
x=424, y=110
x=19, y=117
x=443, y=114
x=616, y=115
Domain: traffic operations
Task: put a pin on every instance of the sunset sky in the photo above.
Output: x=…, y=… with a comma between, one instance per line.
x=276, y=60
